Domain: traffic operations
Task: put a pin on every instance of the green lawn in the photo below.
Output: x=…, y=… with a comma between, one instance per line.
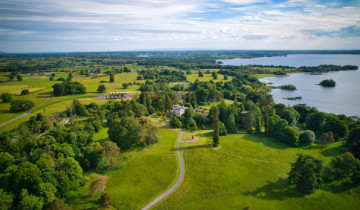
x=250, y=171
x=144, y=174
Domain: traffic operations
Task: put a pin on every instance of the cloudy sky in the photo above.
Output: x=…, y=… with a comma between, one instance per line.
x=116, y=25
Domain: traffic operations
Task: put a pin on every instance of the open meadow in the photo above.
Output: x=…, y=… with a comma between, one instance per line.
x=144, y=173
x=251, y=171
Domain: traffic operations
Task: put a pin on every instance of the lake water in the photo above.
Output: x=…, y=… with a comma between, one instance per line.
x=342, y=99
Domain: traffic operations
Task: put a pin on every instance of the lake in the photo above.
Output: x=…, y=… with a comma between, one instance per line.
x=342, y=99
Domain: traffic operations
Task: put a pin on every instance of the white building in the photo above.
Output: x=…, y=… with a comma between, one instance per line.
x=178, y=110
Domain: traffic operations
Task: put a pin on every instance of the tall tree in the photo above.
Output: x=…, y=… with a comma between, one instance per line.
x=305, y=173
x=216, y=125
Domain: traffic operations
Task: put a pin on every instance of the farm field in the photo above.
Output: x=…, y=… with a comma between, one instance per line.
x=40, y=93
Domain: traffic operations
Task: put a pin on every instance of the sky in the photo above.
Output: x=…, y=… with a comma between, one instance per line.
x=118, y=25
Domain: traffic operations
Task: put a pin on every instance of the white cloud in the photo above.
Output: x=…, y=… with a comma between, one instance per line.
x=243, y=2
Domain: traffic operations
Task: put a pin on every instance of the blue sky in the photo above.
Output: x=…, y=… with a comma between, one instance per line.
x=117, y=25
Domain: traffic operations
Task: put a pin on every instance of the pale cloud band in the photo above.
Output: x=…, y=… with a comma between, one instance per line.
x=100, y=25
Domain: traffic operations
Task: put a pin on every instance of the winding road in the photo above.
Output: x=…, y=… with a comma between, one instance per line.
x=181, y=175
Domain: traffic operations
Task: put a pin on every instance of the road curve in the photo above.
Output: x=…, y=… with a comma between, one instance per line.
x=178, y=181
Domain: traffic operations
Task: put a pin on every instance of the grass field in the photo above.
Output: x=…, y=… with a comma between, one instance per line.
x=41, y=88
x=250, y=171
x=144, y=174
x=207, y=77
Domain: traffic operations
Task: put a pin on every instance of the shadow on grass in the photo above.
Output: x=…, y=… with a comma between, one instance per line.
x=342, y=186
x=278, y=190
x=4, y=111
x=335, y=151
x=267, y=141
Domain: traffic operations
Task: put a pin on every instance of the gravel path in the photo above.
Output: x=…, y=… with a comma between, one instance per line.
x=181, y=175
x=26, y=113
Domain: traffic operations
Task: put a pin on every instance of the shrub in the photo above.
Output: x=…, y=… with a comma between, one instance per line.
x=25, y=92
x=21, y=105
x=307, y=137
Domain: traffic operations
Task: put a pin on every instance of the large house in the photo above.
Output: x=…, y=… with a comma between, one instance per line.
x=178, y=110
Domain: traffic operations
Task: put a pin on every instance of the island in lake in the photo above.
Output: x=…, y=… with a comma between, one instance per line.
x=328, y=83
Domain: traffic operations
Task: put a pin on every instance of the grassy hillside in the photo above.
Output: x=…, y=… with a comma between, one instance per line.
x=250, y=171
x=144, y=174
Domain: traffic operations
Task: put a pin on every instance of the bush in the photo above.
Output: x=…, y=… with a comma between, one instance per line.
x=21, y=105
x=307, y=137
x=25, y=92
x=6, y=97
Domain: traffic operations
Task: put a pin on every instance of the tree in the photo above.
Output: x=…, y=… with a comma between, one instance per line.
x=355, y=149
x=58, y=204
x=191, y=124
x=98, y=185
x=101, y=88
x=327, y=137
x=289, y=136
x=226, y=77
x=105, y=200
x=216, y=125
x=149, y=134
x=68, y=88
x=22, y=176
x=6, y=97
x=25, y=92
x=222, y=129
x=258, y=126
x=93, y=154
x=230, y=124
x=30, y=202
x=316, y=121
x=112, y=78
x=305, y=173
x=354, y=135
x=46, y=124
x=112, y=151
x=69, y=78
x=125, y=132
x=339, y=128
x=307, y=137
x=5, y=200
x=175, y=122
x=201, y=74
x=19, y=77
x=200, y=118
x=21, y=105
x=214, y=75
x=79, y=108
